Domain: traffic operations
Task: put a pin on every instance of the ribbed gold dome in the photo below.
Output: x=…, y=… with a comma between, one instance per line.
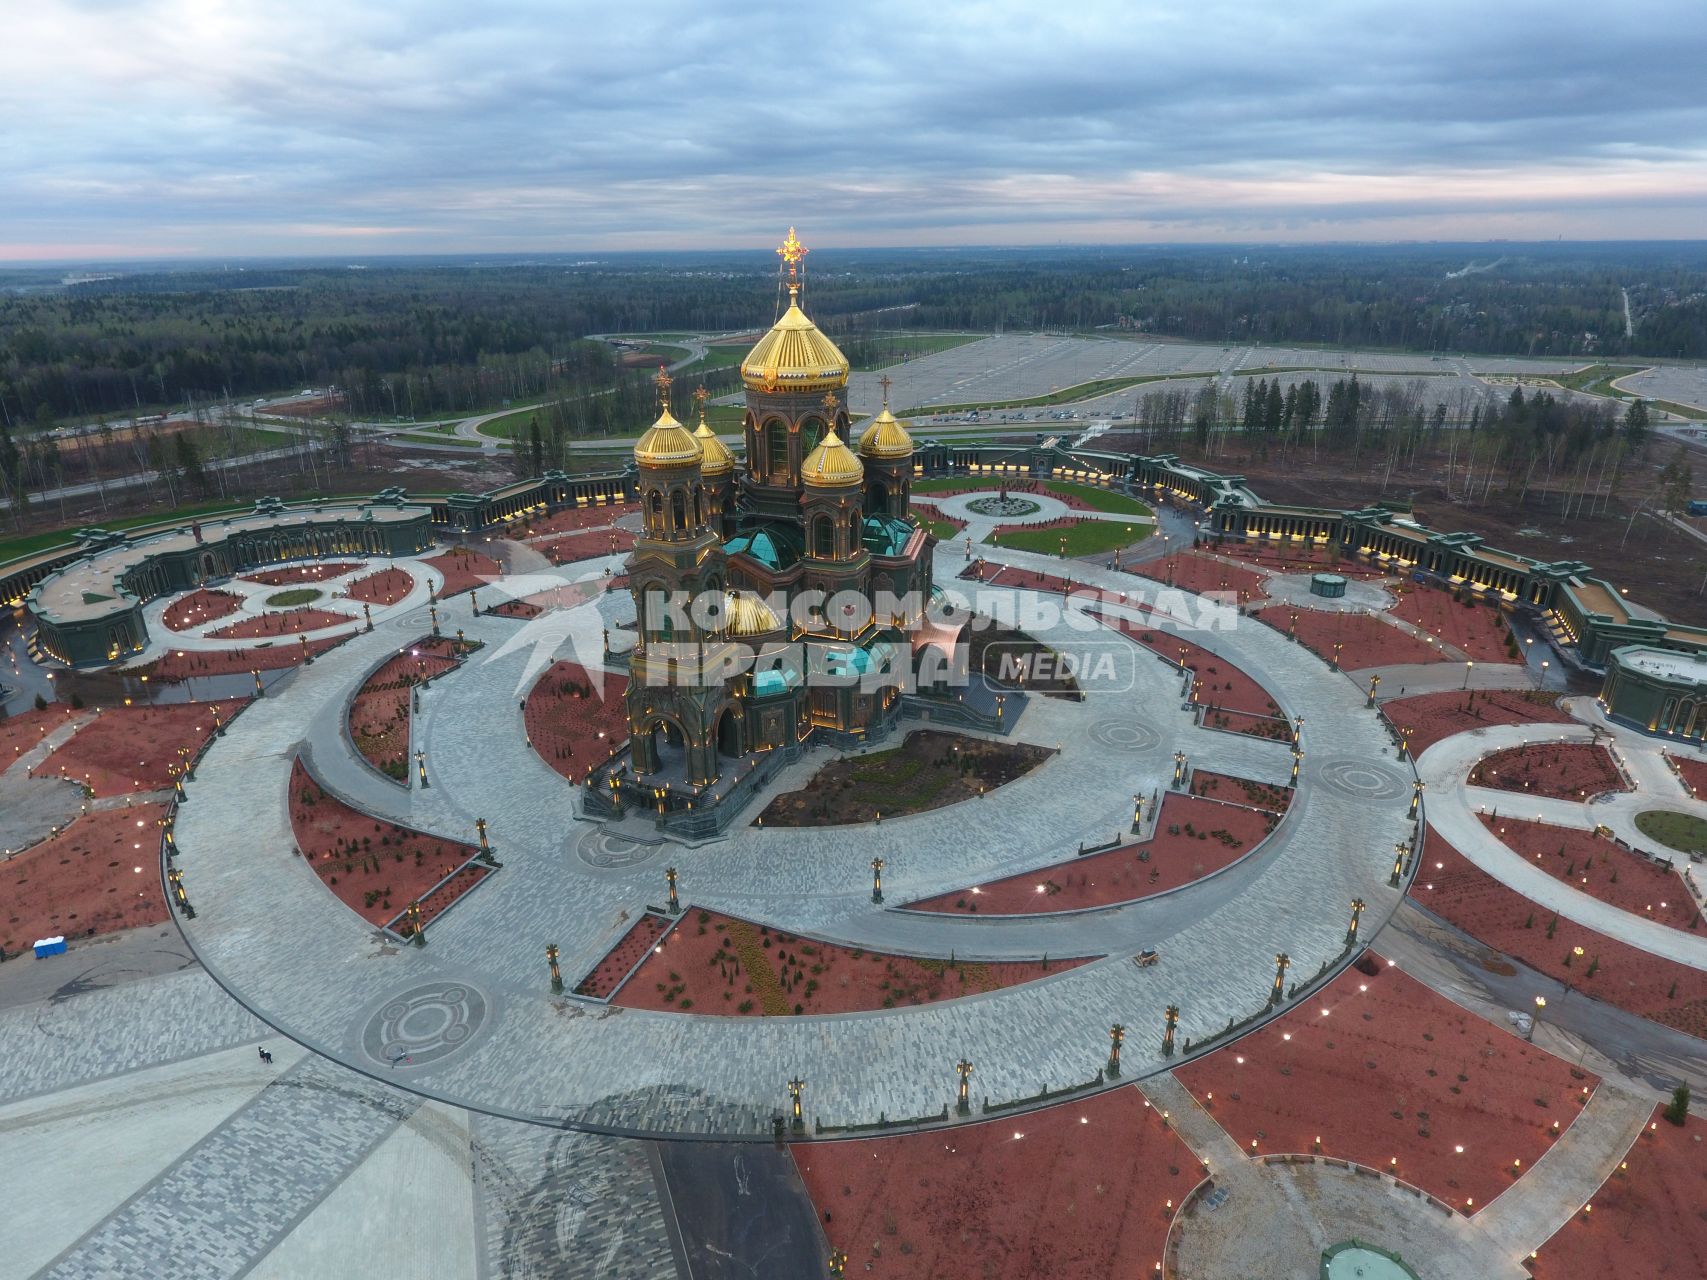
x=718, y=460
x=748, y=615
x=832, y=464
x=885, y=437
x=794, y=356
x=667, y=443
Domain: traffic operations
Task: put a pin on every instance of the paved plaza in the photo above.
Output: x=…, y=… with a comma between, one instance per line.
x=438, y=1109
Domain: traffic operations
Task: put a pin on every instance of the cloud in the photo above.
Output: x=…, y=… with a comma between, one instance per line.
x=254, y=127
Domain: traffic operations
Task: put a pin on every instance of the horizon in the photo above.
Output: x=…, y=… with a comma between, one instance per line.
x=163, y=130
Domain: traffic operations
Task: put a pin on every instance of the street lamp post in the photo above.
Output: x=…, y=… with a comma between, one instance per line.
x=556, y=973
x=1468, y=665
x=1335, y=664
x=877, y=879
x=1137, y=814
x=367, y=616
x=1179, y=767
x=1374, y=683
x=1398, y=865
x=963, y=1102
x=670, y=879
x=1116, y=1035
x=796, y=1086
x=421, y=768
x=838, y=1264
x=1281, y=963
x=1416, y=797
x=1297, y=730
x=418, y=934
x=1356, y=915
x=1297, y=759
x=1172, y=1016
x=1540, y=1004
x=433, y=611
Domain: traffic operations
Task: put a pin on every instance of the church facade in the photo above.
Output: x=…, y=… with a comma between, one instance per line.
x=776, y=596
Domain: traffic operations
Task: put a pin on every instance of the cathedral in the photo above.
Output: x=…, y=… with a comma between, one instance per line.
x=777, y=597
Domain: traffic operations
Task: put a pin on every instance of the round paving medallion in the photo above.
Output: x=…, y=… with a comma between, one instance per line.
x=1125, y=735
x=1362, y=780
x=999, y=506
x=601, y=849
x=424, y=1024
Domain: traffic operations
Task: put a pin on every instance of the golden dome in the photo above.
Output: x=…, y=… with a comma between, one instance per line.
x=794, y=356
x=667, y=443
x=832, y=464
x=718, y=460
x=747, y=615
x=885, y=437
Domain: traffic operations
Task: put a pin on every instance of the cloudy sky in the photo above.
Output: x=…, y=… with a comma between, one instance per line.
x=363, y=127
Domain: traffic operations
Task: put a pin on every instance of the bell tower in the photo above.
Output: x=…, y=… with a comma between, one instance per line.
x=676, y=571
x=887, y=452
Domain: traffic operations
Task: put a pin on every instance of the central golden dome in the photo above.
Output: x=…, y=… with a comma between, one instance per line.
x=718, y=460
x=832, y=464
x=794, y=356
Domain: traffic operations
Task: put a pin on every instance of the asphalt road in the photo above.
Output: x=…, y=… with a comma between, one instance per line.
x=93, y=965
x=738, y=1211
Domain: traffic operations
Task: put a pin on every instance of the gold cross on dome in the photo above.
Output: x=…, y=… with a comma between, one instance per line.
x=663, y=381
x=831, y=403
x=885, y=382
x=701, y=395
x=792, y=251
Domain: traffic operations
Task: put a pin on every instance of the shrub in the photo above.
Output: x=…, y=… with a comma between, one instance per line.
x=1677, y=1110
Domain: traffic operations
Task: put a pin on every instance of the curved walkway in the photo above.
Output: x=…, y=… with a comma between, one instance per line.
x=270, y=932
x=1453, y=810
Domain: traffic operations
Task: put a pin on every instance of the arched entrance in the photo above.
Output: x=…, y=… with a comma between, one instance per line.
x=664, y=748
x=729, y=734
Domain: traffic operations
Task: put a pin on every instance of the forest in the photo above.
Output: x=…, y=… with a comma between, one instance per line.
x=416, y=338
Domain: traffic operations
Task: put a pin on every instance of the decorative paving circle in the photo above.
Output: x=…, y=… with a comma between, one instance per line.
x=1125, y=735
x=1362, y=780
x=424, y=1024
x=999, y=506
x=598, y=848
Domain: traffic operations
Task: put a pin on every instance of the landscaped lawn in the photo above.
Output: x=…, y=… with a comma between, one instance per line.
x=1097, y=499
x=1087, y=538
x=290, y=599
x=928, y=770
x=1681, y=831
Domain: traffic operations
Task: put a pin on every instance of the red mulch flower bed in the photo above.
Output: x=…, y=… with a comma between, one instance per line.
x=1597, y=866
x=379, y=713
x=567, y=712
x=1562, y=770
x=1191, y=571
x=22, y=732
x=200, y=606
x=184, y=664
x=715, y=963
x=285, y=622
x=1266, y=796
x=616, y=964
x=1210, y=836
x=84, y=880
x=566, y=596
x=1367, y=641
x=298, y=574
x=463, y=568
x=388, y=586
x=1079, y=1191
x=1288, y=557
x=578, y=518
x=1646, y=1219
x=1224, y=687
x=1634, y=980
x=130, y=749
x=586, y=546
x=1694, y=772
x=375, y=868
x=1434, y=716
x=1481, y=632
x=1392, y=1069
